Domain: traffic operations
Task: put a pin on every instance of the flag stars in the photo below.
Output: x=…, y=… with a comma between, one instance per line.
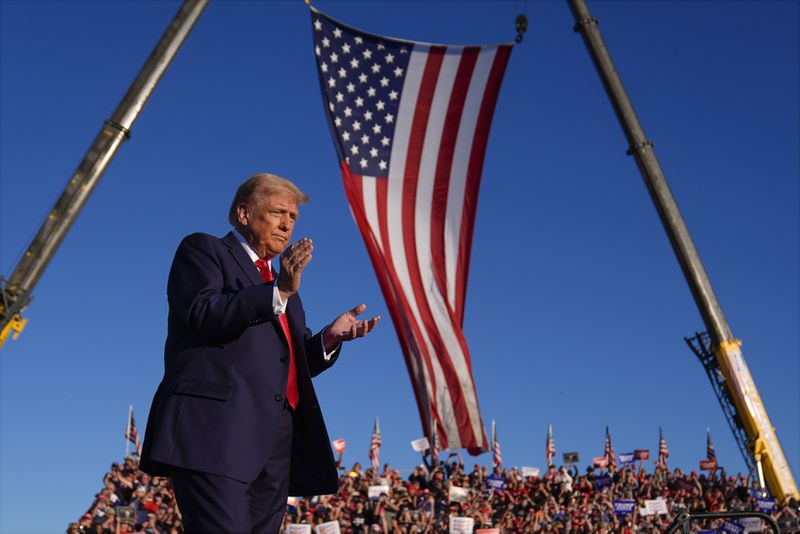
x=385, y=141
x=354, y=63
x=373, y=152
x=382, y=165
x=364, y=139
x=337, y=33
x=317, y=50
x=368, y=116
x=389, y=58
x=362, y=78
x=334, y=58
x=376, y=128
x=326, y=42
x=371, y=91
x=398, y=72
x=339, y=98
x=376, y=68
x=351, y=87
x=363, y=163
x=346, y=48
x=381, y=46
x=324, y=67
x=338, y=122
x=356, y=126
x=393, y=95
x=389, y=118
x=331, y=106
x=359, y=40
x=359, y=102
x=331, y=82
x=380, y=105
x=317, y=25
x=403, y=50
x=367, y=53
x=384, y=82
x=354, y=150
x=346, y=136
x=342, y=73
x=347, y=111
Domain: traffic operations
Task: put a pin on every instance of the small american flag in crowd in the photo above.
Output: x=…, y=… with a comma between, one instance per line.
x=132, y=433
x=410, y=123
x=497, y=457
x=609, y=451
x=375, y=448
x=550, y=446
x=711, y=454
x=663, y=451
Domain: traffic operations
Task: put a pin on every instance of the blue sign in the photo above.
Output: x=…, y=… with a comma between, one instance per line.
x=602, y=482
x=732, y=527
x=626, y=458
x=496, y=483
x=765, y=505
x=624, y=506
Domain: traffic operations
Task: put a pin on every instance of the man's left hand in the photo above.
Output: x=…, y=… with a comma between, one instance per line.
x=346, y=327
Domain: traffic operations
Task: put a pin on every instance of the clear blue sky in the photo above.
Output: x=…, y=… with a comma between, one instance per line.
x=576, y=308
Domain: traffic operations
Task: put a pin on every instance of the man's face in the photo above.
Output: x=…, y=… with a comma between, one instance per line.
x=268, y=224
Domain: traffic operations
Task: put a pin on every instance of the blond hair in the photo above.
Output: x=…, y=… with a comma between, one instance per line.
x=258, y=187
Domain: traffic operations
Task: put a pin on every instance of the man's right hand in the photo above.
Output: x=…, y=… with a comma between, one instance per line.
x=293, y=260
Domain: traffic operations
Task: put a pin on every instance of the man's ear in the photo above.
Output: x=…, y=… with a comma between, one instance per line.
x=243, y=215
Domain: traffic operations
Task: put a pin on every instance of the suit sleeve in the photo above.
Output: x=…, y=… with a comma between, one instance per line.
x=196, y=292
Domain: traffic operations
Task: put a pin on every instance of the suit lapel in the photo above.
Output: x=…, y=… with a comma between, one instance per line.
x=242, y=258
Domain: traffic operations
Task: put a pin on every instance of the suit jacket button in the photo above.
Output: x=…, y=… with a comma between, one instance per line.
x=284, y=359
x=278, y=397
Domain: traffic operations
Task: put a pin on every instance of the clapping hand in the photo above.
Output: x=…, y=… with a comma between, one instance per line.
x=346, y=327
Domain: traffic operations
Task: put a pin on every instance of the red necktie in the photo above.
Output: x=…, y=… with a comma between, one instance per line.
x=291, y=385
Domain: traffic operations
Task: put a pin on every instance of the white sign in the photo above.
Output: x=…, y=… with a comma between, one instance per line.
x=644, y=511
x=375, y=491
x=530, y=472
x=458, y=494
x=294, y=528
x=461, y=525
x=331, y=527
x=656, y=506
x=292, y=501
x=339, y=445
x=751, y=524
x=420, y=444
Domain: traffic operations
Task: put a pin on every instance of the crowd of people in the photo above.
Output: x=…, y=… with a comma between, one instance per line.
x=559, y=500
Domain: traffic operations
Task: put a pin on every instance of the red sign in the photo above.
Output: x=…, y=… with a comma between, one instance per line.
x=339, y=445
x=600, y=461
x=708, y=465
x=641, y=454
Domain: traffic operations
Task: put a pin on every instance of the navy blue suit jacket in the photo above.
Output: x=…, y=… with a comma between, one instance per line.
x=226, y=364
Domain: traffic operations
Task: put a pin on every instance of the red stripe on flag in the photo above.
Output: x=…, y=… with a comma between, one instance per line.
x=475, y=167
x=444, y=165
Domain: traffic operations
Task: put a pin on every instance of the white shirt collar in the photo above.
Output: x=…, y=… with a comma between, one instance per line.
x=248, y=248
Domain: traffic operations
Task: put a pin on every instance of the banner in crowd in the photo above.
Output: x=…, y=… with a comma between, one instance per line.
x=655, y=506
x=331, y=527
x=708, y=465
x=600, y=461
x=765, y=505
x=732, y=527
x=571, y=458
x=530, y=472
x=603, y=482
x=488, y=531
x=751, y=524
x=496, y=483
x=458, y=494
x=641, y=454
x=624, y=506
x=686, y=486
x=626, y=458
x=410, y=122
x=339, y=445
x=461, y=525
x=373, y=492
x=295, y=528
x=420, y=445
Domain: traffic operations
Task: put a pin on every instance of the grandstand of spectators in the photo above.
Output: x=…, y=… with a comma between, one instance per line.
x=561, y=500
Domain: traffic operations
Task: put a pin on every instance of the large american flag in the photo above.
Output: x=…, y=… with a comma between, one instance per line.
x=609, y=451
x=711, y=454
x=663, y=451
x=410, y=122
x=375, y=448
x=132, y=433
x=550, y=446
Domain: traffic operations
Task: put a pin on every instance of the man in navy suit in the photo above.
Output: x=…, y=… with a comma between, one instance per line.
x=235, y=421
